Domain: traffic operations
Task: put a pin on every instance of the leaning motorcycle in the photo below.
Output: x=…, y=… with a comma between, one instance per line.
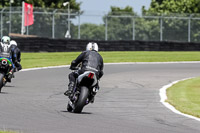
x=84, y=91
x=5, y=68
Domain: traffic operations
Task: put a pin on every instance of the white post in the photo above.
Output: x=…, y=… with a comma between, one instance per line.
x=69, y=19
x=133, y=28
x=10, y=18
x=79, y=26
x=161, y=28
x=2, y=21
x=53, y=24
x=189, y=28
x=68, y=31
x=106, y=28
x=22, y=27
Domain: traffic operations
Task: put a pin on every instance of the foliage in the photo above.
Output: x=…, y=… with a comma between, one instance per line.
x=176, y=29
x=120, y=28
x=122, y=23
x=42, y=22
x=43, y=3
x=173, y=6
x=93, y=31
x=147, y=29
x=119, y=11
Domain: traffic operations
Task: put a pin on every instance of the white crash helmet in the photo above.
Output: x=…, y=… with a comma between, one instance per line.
x=12, y=42
x=5, y=40
x=92, y=46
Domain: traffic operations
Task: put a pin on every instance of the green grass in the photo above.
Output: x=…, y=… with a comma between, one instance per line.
x=30, y=60
x=150, y=56
x=7, y=132
x=185, y=96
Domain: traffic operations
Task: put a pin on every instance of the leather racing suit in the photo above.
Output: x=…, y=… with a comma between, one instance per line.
x=91, y=61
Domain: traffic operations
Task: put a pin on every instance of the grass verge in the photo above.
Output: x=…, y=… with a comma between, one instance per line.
x=7, y=132
x=30, y=60
x=185, y=96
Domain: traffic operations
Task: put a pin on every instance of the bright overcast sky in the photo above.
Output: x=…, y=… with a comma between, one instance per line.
x=104, y=5
x=101, y=7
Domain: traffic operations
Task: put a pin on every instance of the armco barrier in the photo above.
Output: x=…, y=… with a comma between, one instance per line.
x=64, y=45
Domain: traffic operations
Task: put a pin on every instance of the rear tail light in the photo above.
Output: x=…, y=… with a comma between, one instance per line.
x=91, y=75
x=4, y=62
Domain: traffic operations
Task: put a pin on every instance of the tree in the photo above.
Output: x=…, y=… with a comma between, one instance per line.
x=173, y=6
x=93, y=31
x=176, y=29
x=159, y=1
x=124, y=24
x=42, y=22
x=119, y=23
x=43, y=3
x=118, y=28
x=121, y=11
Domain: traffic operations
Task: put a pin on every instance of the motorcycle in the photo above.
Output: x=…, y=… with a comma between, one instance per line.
x=85, y=89
x=5, y=67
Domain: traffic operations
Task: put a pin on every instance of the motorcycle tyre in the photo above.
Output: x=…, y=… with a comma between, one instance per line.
x=1, y=81
x=78, y=107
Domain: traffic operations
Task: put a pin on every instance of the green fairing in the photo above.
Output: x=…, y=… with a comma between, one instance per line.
x=9, y=62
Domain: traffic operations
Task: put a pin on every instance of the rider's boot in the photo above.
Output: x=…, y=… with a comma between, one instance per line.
x=70, y=89
x=92, y=99
x=95, y=90
x=18, y=66
x=10, y=75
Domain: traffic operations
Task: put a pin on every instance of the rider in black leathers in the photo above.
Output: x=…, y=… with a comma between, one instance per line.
x=16, y=54
x=5, y=47
x=91, y=60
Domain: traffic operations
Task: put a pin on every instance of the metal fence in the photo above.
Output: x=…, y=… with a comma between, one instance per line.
x=53, y=23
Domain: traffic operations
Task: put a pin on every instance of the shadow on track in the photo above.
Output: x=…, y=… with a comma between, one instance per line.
x=77, y=113
x=9, y=86
x=4, y=93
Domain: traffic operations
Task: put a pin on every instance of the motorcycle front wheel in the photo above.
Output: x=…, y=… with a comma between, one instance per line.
x=81, y=102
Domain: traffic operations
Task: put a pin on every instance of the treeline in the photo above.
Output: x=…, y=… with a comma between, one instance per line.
x=165, y=20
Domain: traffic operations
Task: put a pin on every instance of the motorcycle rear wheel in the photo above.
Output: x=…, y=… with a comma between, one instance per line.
x=78, y=107
x=1, y=81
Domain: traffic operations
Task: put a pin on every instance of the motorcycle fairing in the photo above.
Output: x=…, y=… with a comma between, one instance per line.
x=86, y=74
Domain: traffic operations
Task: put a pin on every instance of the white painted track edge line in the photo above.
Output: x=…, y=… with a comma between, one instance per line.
x=163, y=98
x=174, y=62
x=162, y=92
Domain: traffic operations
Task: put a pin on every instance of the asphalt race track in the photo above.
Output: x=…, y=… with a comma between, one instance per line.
x=128, y=101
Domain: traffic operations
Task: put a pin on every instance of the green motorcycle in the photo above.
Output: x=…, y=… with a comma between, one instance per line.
x=6, y=67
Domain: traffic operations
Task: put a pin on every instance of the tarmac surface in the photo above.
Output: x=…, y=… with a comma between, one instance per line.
x=128, y=101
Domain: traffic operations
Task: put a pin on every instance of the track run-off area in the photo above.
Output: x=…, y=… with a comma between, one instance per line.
x=128, y=101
